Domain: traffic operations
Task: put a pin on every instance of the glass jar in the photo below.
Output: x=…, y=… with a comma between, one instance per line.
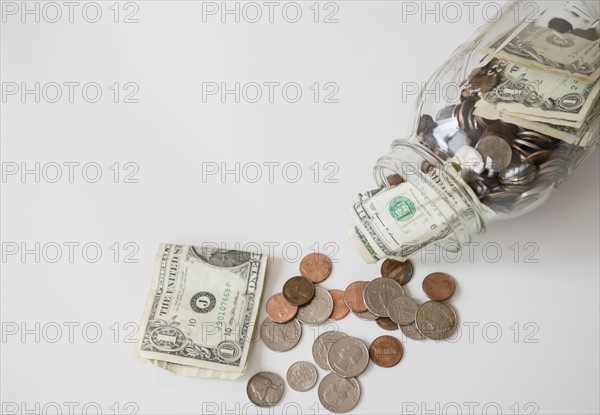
x=500, y=125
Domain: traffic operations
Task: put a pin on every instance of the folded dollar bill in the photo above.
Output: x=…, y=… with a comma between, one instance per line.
x=541, y=47
x=201, y=312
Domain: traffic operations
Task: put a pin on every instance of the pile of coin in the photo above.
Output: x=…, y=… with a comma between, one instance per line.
x=382, y=300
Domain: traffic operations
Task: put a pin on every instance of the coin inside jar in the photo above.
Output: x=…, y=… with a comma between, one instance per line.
x=265, y=389
x=386, y=351
x=316, y=267
x=495, y=151
x=280, y=310
x=298, y=291
x=399, y=271
x=439, y=286
x=354, y=296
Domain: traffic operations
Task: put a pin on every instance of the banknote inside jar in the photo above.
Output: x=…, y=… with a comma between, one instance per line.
x=517, y=126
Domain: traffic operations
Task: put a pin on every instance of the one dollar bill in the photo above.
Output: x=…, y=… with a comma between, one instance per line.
x=537, y=95
x=541, y=47
x=201, y=312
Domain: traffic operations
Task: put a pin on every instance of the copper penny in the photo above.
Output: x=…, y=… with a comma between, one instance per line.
x=386, y=323
x=340, y=309
x=439, y=286
x=399, y=271
x=386, y=351
x=298, y=290
x=394, y=179
x=316, y=267
x=280, y=310
x=354, y=296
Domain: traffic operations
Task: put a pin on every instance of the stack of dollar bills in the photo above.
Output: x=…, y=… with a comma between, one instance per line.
x=548, y=83
x=201, y=312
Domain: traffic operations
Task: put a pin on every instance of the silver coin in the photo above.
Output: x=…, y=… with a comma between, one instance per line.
x=348, y=357
x=495, y=151
x=321, y=346
x=302, y=376
x=436, y=320
x=365, y=315
x=469, y=159
x=280, y=337
x=412, y=332
x=378, y=294
x=338, y=394
x=403, y=310
x=265, y=389
x=318, y=310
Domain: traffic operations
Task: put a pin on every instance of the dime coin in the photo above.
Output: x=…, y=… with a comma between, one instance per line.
x=386, y=323
x=280, y=310
x=265, y=389
x=436, y=320
x=403, y=310
x=399, y=271
x=318, y=310
x=302, y=376
x=298, y=290
x=340, y=309
x=280, y=337
x=495, y=150
x=348, y=357
x=316, y=267
x=365, y=315
x=354, y=296
x=386, y=351
x=321, y=346
x=378, y=294
x=412, y=332
x=439, y=286
x=338, y=394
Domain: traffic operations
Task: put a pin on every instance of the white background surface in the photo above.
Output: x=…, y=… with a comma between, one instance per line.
x=534, y=338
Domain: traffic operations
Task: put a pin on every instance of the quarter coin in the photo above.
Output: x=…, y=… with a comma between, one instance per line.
x=280, y=337
x=318, y=310
x=321, y=346
x=378, y=294
x=436, y=320
x=348, y=357
x=338, y=394
x=403, y=310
